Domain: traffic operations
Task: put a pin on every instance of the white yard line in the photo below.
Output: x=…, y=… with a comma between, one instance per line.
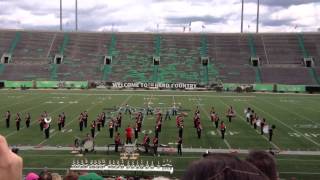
x=275, y=118
x=208, y=115
x=291, y=112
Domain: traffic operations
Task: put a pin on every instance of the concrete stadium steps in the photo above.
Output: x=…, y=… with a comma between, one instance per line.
x=22, y=72
x=297, y=75
x=6, y=38
x=32, y=48
x=260, y=49
x=312, y=45
x=282, y=48
x=237, y=74
x=229, y=48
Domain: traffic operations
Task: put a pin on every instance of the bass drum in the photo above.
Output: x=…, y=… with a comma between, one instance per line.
x=88, y=145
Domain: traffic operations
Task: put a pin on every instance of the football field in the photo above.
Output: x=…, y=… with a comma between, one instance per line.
x=296, y=117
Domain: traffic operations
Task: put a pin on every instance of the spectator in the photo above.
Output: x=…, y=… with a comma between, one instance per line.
x=265, y=162
x=90, y=176
x=10, y=163
x=223, y=166
x=45, y=175
x=56, y=176
x=71, y=176
x=32, y=176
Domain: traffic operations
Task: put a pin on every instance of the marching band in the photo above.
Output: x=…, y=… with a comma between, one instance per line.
x=114, y=124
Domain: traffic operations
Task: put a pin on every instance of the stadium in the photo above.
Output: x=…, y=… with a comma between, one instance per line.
x=73, y=100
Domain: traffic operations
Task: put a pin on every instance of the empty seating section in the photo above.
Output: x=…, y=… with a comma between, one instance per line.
x=6, y=38
x=282, y=48
x=83, y=56
x=132, y=57
x=298, y=75
x=32, y=48
x=180, y=58
x=23, y=72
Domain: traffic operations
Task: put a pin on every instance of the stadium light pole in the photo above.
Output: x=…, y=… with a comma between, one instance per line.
x=60, y=15
x=258, y=11
x=76, y=15
x=242, y=16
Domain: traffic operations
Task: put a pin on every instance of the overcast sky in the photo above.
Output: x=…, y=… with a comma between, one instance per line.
x=170, y=15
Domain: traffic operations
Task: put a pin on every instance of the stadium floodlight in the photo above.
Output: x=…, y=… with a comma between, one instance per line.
x=60, y=15
x=258, y=11
x=76, y=15
x=242, y=1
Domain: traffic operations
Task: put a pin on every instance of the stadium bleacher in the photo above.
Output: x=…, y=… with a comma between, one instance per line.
x=132, y=54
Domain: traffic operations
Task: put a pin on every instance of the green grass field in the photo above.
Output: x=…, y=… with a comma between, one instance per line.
x=296, y=116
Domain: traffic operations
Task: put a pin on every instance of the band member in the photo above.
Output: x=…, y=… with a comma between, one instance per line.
x=222, y=129
x=196, y=120
x=111, y=125
x=167, y=115
x=119, y=119
x=8, y=116
x=179, y=118
x=262, y=124
x=46, y=127
x=155, y=145
x=157, y=128
x=85, y=117
x=179, y=146
x=81, y=119
x=117, y=142
x=230, y=113
x=146, y=142
x=199, y=129
x=181, y=129
x=247, y=113
x=28, y=120
x=63, y=116
x=174, y=110
x=136, y=131
x=99, y=122
x=103, y=119
x=255, y=120
x=60, y=121
x=93, y=128
x=252, y=116
x=128, y=109
x=115, y=124
x=215, y=119
x=41, y=122
x=129, y=135
x=18, y=120
x=271, y=132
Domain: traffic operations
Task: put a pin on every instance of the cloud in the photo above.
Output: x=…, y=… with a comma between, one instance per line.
x=283, y=3
x=128, y=15
x=185, y=20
